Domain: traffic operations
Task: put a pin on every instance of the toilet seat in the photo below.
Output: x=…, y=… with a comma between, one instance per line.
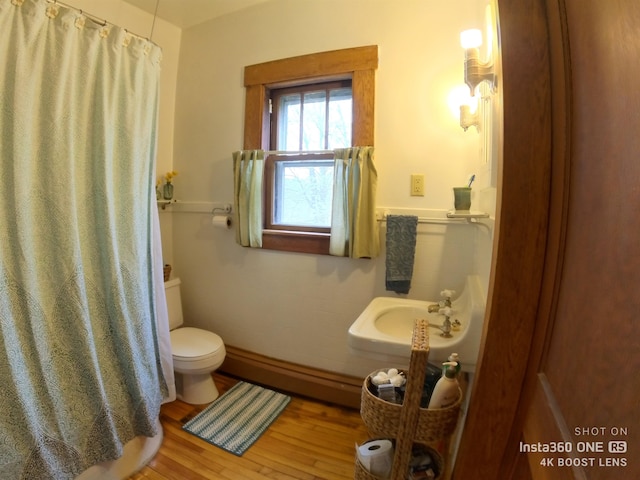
x=196, y=349
x=189, y=343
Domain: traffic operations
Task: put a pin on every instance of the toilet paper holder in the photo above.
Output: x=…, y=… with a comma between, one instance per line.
x=220, y=216
x=226, y=208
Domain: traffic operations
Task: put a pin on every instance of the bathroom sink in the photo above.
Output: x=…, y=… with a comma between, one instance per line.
x=384, y=329
x=397, y=321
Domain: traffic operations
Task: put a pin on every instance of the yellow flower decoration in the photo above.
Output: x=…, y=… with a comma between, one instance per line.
x=169, y=175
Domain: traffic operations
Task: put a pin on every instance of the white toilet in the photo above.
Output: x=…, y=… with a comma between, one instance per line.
x=196, y=353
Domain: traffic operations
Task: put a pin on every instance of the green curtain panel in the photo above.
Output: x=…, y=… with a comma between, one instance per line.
x=248, y=168
x=80, y=366
x=354, y=229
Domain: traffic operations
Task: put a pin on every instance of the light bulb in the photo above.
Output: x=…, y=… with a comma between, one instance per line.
x=458, y=96
x=471, y=38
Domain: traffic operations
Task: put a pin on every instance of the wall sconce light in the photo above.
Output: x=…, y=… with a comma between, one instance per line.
x=468, y=119
x=475, y=71
x=464, y=107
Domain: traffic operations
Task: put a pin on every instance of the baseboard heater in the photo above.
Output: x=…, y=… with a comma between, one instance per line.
x=289, y=377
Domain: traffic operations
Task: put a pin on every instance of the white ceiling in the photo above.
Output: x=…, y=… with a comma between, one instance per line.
x=186, y=13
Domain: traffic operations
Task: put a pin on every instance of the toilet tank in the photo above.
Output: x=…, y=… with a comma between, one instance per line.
x=174, y=304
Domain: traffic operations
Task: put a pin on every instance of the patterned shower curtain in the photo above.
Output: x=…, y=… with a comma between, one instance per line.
x=80, y=366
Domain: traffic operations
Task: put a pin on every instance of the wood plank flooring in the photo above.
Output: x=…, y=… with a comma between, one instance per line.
x=309, y=441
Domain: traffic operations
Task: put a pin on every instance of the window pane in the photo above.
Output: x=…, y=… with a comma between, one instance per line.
x=303, y=191
x=313, y=120
x=289, y=122
x=340, y=109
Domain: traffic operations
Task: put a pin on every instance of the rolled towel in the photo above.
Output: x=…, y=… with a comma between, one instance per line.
x=380, y=379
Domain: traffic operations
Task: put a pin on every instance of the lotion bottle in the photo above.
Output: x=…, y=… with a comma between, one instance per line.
x=447, y=391
x=454, y=357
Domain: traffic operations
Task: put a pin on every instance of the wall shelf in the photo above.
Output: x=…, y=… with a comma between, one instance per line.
x=163, y=203
x=466, y=214
x=188, y=206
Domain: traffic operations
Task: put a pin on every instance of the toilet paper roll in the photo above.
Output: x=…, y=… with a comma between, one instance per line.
x=221, y=221
x=376, y=456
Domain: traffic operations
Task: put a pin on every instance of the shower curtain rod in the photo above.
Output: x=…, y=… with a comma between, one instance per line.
x=101, y=21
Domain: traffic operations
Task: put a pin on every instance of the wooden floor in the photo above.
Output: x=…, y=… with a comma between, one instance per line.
x=309, y=441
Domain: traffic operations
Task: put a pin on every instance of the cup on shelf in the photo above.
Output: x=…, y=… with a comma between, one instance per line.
x=462, y=198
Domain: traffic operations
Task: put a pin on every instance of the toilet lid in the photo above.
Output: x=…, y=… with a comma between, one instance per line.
x=191, y=342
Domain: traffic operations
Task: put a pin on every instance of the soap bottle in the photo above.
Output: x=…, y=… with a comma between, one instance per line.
x=454, y=357
x=447, y=390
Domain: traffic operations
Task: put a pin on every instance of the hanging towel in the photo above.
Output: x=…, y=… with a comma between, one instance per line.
x=401, y=249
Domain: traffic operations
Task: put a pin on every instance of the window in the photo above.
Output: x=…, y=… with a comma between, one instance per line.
x=299, y=185
x=299, y=196
x=308, y=95
x=312, y=117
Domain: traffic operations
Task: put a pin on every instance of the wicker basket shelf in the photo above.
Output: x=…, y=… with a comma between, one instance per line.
x=362, y=473
x=408, y=423
x=382, y=418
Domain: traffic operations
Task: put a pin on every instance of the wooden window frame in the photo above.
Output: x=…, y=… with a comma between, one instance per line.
x=357, y=63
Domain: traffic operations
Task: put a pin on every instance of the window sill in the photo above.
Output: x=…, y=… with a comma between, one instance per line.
x=293, y=241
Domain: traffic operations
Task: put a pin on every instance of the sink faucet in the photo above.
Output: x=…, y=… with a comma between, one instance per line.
x=446, y=295
x=445, y=328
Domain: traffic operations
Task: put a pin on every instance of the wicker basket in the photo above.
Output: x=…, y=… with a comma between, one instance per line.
x=362, y=473
x=382, y=418
x=408, y=424
x=167, y=272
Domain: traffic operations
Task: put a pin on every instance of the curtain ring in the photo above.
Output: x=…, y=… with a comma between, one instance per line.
x=52, y=11
x=80, y=20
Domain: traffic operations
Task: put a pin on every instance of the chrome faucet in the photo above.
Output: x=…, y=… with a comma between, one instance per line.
x=446, y=295
x=445, y=328
x=444, y=307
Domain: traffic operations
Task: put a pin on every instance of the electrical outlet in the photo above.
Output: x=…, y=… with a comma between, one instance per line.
x=417, y=184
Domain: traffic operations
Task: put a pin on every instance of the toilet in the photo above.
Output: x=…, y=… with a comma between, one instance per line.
x=196, y=353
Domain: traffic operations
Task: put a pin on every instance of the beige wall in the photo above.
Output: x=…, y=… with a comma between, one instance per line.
x=299, y=307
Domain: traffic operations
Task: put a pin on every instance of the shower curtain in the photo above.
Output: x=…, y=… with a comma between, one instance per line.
x=81, y=351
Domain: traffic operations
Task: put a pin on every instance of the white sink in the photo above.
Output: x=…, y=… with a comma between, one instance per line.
x=384, y=329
